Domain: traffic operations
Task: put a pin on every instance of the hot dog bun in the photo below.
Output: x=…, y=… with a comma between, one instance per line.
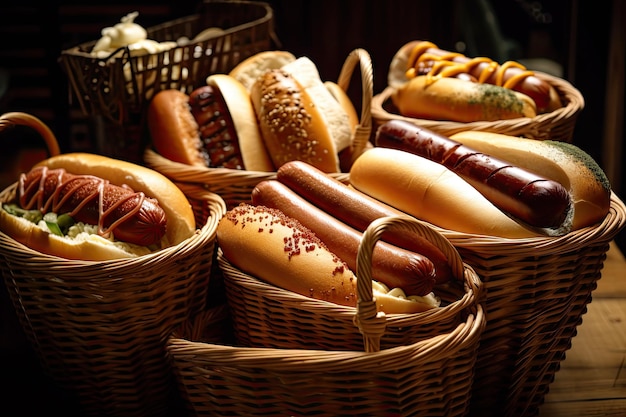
x=180, y=218
x=454, y=99
x=431, y=192
x=299, y=119
x=560, y=161
x=265, y=243
x=214, y=126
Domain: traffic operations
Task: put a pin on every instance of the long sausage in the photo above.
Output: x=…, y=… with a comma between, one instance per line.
x=393, y=266
x=131, y=216
x=356, y=209
x=216, y=128
x=535, y=200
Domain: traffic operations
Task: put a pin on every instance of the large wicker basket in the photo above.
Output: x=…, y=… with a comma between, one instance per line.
x=537, y=293
x=264, y=315
x=119, y=90
x=235, y=186
x=99, y=328
x=556, y=125
x=431, y=377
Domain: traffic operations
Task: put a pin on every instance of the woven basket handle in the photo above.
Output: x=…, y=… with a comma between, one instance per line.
x=364, y=128
x=370, y=322
x=17, y=118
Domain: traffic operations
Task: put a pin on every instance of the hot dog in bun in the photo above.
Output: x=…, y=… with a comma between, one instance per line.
x=91, y=207
x=484, y=183
x=214, y=126
x=275, y=248
x=417, y=58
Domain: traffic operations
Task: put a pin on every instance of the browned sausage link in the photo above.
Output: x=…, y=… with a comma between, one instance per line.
x=534, y=200
x=395, y=267
x=129, y=215
x=217, y=130
x=532, y=86
x=356, y=209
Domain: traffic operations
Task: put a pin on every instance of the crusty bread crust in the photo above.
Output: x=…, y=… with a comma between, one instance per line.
x=430, y=192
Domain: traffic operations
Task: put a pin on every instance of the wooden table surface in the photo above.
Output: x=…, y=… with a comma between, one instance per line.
x=592, y=378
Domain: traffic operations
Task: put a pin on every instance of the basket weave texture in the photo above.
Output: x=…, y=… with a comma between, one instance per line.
x=264, y=315
x=537, y=293
x=99, y=328
x=121, y=89
x=557, y=125
x=430, y=377
x=235, y=186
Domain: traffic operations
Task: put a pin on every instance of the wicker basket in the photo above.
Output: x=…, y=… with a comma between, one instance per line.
x=431, y=377
x=235, y=186
x=99, y=329
x=119, y=90
x=267, y=316
x=557, y=125
x=537, y=292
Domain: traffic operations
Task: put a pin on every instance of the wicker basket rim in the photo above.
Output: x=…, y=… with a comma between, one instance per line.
x=365, y=316
x=312, y=360
x=575, y=104
x=473, y=288
x=80, y=50
x=612, y=224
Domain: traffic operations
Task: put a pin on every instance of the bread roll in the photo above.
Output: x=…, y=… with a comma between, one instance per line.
x=458, y=100
x=277, y=249
x=291, y=123
x=559, y=161
x=431, y=192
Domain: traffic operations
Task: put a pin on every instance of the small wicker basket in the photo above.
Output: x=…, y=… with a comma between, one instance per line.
x=537, y=293
x=235, y=186
x=99, y=328
x=118, y=91
x=430, y=377
x=557, y=125
x=267, y=316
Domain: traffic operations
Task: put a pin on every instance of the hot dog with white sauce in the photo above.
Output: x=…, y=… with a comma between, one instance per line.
x=91, y=207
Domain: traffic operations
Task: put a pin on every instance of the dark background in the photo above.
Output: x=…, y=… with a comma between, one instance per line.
x=573, y=35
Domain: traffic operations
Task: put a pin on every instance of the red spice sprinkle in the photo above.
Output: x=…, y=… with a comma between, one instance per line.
x=301, y=237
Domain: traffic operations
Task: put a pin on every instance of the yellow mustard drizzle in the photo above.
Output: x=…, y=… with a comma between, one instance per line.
x=445, y=66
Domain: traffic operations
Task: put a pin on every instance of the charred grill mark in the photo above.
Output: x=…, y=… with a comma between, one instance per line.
x=217, y=130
